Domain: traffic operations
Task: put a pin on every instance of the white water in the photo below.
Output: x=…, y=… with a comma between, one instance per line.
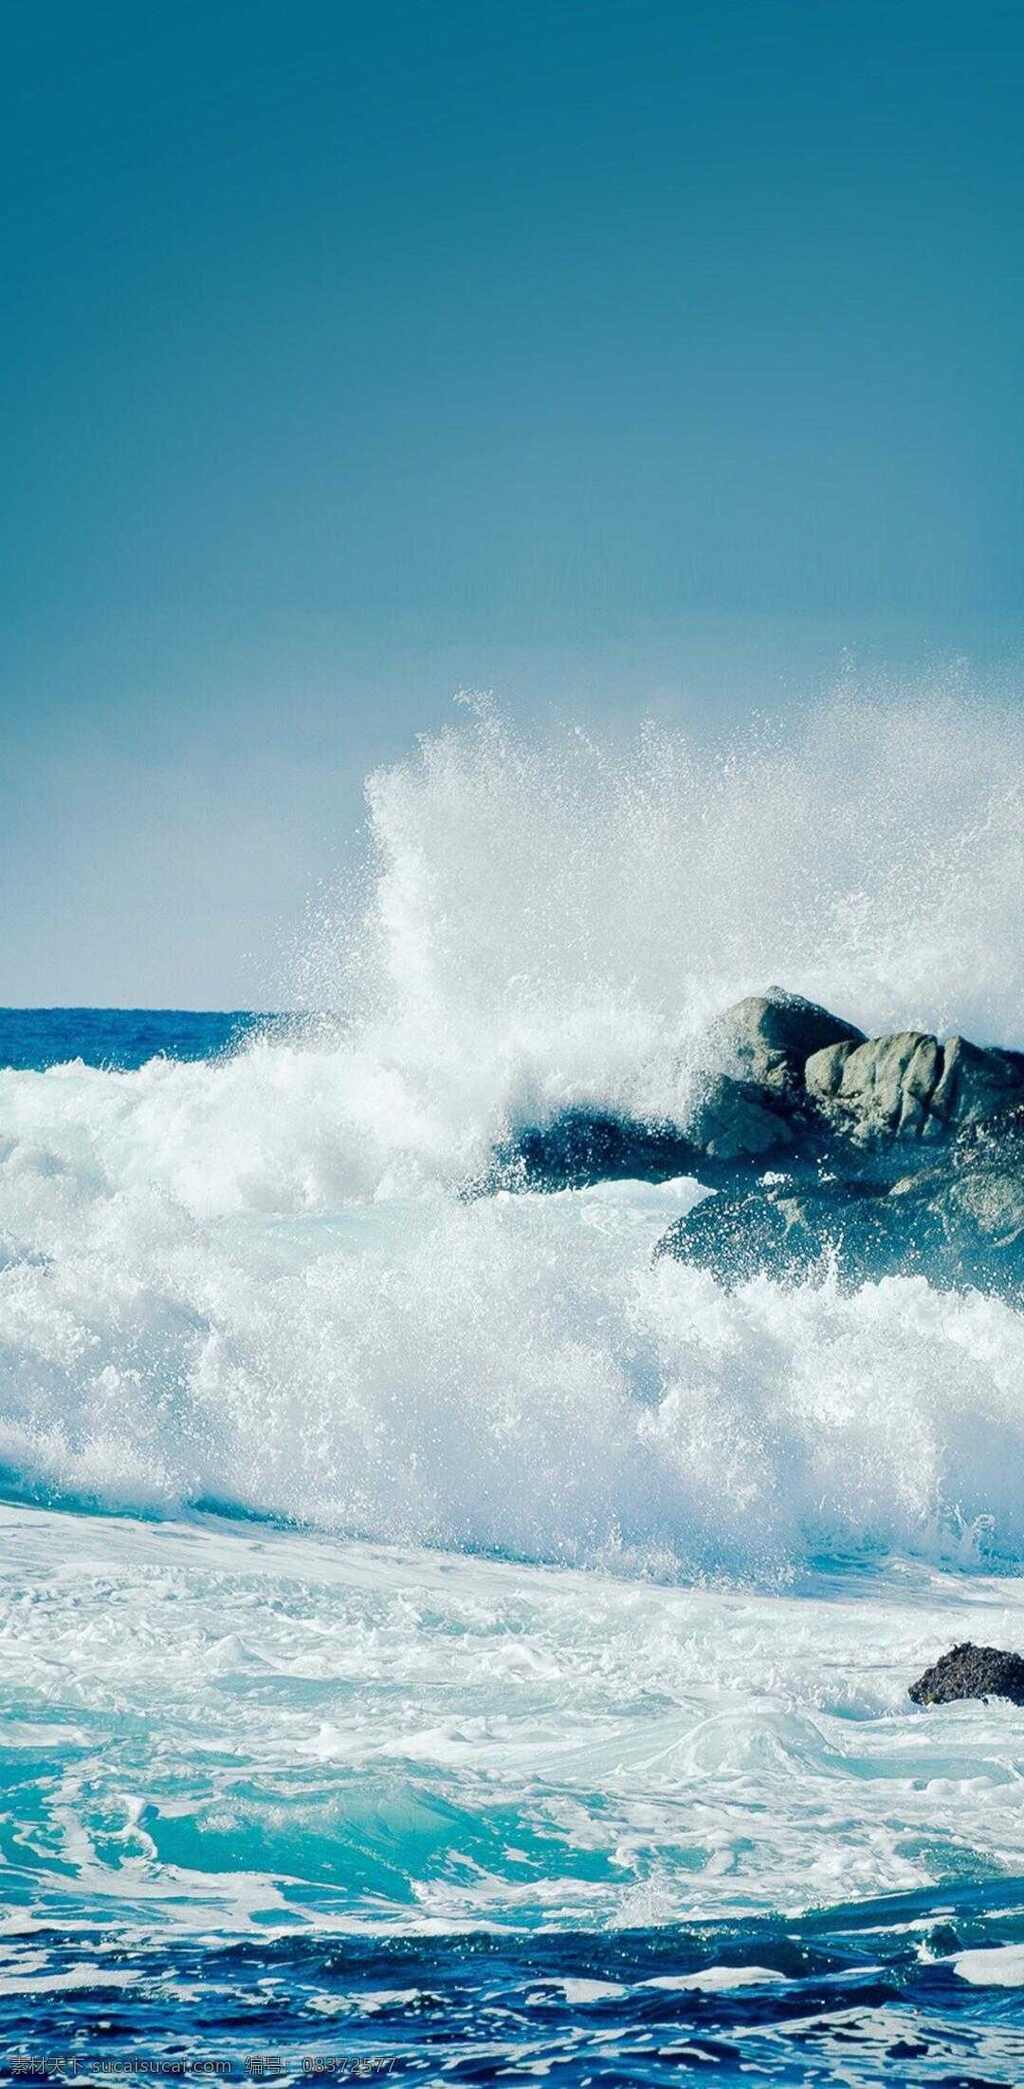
x=263, y=1731
x=510, y=1374
x=250, y=1281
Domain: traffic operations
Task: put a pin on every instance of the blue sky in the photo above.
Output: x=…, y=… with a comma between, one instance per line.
x=615, y=357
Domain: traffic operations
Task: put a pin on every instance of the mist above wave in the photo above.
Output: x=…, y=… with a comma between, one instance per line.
x=551, y=918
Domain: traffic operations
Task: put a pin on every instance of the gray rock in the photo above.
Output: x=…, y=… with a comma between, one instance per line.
x=971, y=1671
x=903, y=1155
x=768, y=1038
x=958, y=1222
x=909, y=1086
x=790, y=1231
x=987, y=1200
x=975, y=1199
x=750, y=1101
x=736, y=1120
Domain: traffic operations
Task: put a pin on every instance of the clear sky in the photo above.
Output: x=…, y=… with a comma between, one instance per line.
x=613, y=356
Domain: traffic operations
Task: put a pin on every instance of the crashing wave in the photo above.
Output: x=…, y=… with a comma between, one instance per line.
x=254, y=1280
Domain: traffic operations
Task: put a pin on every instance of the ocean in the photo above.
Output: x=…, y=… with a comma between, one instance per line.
x=438, y=1639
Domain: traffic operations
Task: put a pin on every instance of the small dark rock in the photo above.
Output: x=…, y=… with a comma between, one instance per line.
x=971, y=1671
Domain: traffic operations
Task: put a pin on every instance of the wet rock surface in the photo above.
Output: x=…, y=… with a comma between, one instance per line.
x=872, y=1157
x=767, y=1039
x=971, y=1671
x=787, y=1231
x=958, y=1224
x=910, y=1087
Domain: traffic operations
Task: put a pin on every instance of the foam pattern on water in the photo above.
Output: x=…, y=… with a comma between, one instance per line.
x=512, y=1374
x=265, y=1732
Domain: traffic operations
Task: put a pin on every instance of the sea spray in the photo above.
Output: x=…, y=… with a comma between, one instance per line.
x=252, y=1280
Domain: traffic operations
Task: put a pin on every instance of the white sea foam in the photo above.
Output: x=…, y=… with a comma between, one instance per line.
x=1002, y=1966
x=277, y=1731
x=251, y=1280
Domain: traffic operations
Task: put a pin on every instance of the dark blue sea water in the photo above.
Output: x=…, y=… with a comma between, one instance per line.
x=299, y=1791
x=842, y=1997
x=120, y=1038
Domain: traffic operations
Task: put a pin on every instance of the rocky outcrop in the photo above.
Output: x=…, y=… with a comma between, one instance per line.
x=778, y=1075
x=871, y=1157
x=747, y=1102
x=749, y=1092
x=970, y=1671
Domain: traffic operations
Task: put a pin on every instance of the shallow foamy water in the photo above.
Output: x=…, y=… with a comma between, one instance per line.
x=263, y=1790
